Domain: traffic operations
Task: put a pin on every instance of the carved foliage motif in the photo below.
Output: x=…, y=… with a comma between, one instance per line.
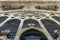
x=11, y=7
x=48, y=7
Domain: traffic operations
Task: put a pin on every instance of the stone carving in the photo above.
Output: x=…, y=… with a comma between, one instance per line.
x=11, y=7
x=3, y=34
x=48, y=7
x=58, y=33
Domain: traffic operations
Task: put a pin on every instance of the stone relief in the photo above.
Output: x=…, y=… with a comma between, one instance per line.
x=48, y=7
x=57, y=32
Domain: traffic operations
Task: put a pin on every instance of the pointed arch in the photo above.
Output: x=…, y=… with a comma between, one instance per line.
x=33, y=34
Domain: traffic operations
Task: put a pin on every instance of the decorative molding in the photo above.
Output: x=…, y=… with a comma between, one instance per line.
x=48, y=7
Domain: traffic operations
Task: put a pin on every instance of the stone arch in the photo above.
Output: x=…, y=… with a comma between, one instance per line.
x=35, y=29
x=30, y=21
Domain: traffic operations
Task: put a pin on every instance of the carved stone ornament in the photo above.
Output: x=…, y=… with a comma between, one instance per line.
x=48, y=7
x=58, y=33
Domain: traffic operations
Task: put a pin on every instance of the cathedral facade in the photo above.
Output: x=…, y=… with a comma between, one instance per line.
x=29, y=20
